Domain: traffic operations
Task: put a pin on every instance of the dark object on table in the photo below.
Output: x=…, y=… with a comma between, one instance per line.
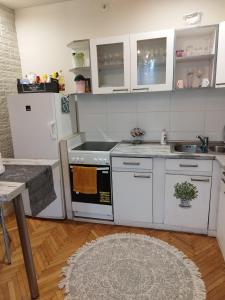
x=39, y=182
x=47, y=87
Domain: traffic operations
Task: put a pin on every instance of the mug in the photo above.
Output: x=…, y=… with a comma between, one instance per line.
x=205, y=82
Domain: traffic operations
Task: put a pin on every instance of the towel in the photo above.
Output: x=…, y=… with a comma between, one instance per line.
x=85, y=180
x=39, y=182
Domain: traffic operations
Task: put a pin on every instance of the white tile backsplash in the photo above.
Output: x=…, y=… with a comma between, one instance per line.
x=193, y=101
x=187, y=121
x=93, y=122
x=121, y=103
x=184, y=114
x=155, y=121
x=121, y=121
x=215, y=120
x=153, y=102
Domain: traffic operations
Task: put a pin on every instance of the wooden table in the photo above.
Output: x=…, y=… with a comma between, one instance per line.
x=11, y=191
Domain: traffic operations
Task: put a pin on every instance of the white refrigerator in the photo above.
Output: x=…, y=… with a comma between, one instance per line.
x=38, y=122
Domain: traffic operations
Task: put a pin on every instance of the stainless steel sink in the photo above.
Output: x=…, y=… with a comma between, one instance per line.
x=217, y=149
x=189, y=148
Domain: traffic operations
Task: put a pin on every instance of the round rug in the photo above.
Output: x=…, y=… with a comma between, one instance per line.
x=131, y=267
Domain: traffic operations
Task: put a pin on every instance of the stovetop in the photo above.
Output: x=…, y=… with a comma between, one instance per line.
x=95, y=146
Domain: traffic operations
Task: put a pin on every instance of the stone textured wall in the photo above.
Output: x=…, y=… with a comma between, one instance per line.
x=10, y=70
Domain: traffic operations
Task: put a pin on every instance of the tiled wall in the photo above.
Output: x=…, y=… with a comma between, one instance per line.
x=10, y=70
x=183, y=113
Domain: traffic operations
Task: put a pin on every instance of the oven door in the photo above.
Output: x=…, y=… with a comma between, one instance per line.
x=103, y=195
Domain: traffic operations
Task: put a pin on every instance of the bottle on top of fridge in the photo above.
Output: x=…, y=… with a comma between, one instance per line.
x=163, y=137
x=61, y=81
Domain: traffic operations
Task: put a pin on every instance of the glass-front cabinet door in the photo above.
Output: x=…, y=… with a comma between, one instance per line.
x=110, y=63
x=152, y=61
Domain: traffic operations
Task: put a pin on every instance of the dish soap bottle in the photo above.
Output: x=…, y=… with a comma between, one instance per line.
x=163, y=137
x=61, y=82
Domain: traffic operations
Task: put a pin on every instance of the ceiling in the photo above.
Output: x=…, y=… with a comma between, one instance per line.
x=15, y=4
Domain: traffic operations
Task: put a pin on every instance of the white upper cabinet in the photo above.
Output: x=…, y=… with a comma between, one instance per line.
x=220, y=72
x=110, y=63
x=152, y=61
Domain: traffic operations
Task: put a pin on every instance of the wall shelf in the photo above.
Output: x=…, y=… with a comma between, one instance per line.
x=192, y=58
x=79, y=70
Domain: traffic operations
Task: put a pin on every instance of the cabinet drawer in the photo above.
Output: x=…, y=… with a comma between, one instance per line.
x=132, y=163
x=189, y=165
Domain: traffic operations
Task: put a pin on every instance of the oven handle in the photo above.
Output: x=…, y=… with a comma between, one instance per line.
x=98, y=169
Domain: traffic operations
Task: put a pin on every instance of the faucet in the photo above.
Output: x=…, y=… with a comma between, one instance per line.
x=204, y=143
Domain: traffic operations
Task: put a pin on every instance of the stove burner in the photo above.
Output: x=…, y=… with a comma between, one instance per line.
x=96, y=146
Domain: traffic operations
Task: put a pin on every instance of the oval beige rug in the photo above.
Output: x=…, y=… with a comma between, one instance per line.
x=131, y=267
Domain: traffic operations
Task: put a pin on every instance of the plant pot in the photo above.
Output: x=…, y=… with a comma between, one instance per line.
x=186, y=203
x=137, y=140
x=80, y=86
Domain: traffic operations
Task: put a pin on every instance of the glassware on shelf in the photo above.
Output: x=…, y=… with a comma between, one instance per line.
x=190, y=74
x=197, y=78
x=190, y=50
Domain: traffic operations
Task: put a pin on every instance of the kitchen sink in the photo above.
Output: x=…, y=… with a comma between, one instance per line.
x=189, y=148
x=217, y=149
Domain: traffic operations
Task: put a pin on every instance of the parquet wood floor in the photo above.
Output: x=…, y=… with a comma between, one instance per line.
x=54, y=241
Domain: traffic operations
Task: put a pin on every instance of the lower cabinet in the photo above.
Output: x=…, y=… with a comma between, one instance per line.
x=132, y=197
x=221, y=218
x=194, y=217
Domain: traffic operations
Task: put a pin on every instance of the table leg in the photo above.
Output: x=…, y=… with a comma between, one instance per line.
x=5, y=235
x=26, y=247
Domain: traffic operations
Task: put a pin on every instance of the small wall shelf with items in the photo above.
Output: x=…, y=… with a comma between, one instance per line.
x=195, y=52
x=81, y=65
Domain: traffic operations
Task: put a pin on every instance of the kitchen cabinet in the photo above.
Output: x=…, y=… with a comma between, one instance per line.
x=132, y=190
x=132, y=197
x=221, y=217
x=194, y=217
x=110, y=64
x=195, y=59
x=152, y=61
x=220, y=74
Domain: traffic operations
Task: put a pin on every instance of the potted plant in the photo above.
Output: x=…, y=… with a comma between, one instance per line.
x=186, y=192
x=78, y=59
x=137, y=134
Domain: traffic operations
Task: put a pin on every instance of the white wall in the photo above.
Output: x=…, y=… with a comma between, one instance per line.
x=44, y=31
x=184, y=114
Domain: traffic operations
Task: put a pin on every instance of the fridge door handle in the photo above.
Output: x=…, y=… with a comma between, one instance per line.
x=52, y=130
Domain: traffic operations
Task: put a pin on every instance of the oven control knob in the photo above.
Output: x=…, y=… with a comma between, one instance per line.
x=81, y=159
x=77, y=159
x=95, y=160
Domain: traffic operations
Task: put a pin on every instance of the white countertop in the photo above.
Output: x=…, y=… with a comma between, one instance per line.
x=221, y=160
x=10, y=190
x=44, y=162
x=164, y=151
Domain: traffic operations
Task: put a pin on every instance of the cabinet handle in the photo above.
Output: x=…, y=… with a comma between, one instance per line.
x=223, y=180
x=141, y=89
x=142, y=176
x=188, y=166
x=131, y=163
x=202, y=180
x=220, y=83
x=120, y=90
